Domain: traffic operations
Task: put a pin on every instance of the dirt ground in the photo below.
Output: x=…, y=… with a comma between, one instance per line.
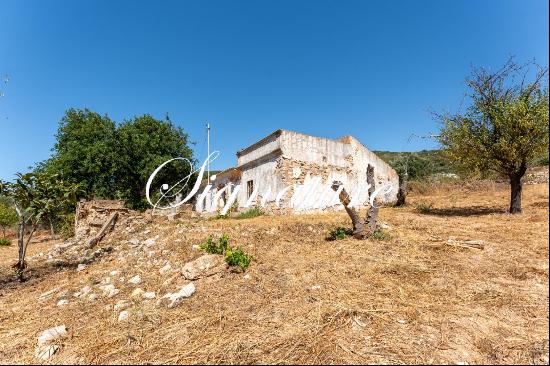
x=410, y=299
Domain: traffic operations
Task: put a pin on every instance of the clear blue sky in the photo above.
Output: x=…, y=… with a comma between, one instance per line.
x=372, y=69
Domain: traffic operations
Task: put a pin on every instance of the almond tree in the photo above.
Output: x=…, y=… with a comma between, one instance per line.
x=505, y=125
x=35, y=196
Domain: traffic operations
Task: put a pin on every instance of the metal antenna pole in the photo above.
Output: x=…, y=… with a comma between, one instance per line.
x=208, y=156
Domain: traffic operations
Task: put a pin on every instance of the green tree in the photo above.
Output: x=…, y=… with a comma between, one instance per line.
x=8, y=217
x=85, y=153
x=504, y=127
x=144, y=143
x=35, y=196
x=110, y=162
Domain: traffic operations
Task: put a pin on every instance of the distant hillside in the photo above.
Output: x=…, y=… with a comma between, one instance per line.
x=421, y=164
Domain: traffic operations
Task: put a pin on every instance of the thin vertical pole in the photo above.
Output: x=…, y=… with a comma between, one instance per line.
x=208, y=155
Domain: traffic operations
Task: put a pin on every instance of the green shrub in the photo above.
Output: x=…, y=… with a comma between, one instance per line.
x=5, y=242
x=209, y=246
x=237, y=257
x=339, y=233
x=424, y=208
x=233, y=257
x=381, y=235
x=253, y=212
x=65, y=227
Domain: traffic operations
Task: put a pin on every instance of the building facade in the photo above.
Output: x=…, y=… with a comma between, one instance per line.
x=286, y=160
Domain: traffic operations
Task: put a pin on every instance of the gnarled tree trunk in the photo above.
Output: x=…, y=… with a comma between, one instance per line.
x=402, y=193
x=516, y=186
x=515, y=197
x=371, y=220
x=372, y=213
x=345, y=199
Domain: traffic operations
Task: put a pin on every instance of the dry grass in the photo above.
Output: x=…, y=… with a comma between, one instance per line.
x=412, y=299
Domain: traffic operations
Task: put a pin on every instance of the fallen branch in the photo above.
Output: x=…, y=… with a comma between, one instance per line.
x=470, y=244
x=108, y=226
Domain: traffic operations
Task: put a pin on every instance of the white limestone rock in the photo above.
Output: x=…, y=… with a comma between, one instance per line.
x=122, y=304
x=83, y=292
x=52, y=334
x=62, y=302
x=204, y=266
x=149, y=295
x=123, y=316
x=136, y=280
x=109, y=290
x=172, y=300
x=81, y=267
x=165, y=269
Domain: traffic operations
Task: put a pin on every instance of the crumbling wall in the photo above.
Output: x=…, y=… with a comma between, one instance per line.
x=90, y=216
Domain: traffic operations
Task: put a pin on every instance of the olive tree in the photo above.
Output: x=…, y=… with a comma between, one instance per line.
x=505, y=125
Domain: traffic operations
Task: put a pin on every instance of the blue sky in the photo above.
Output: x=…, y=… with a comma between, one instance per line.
x=372, y=69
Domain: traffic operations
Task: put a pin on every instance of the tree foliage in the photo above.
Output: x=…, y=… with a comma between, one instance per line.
x=115, y=162
x=505, y=126
x=84, y=152
x=8, y=217
x=144, y=143
x=36, y=196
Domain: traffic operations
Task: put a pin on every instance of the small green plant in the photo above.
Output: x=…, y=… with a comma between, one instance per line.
x=66, y=226
x=5, y=242
x=253, y=212
x=381, y=235
x=237, y=257
x=209, y=246
x=424, y=208
x=339, y=233
x=219, y=216
x=233, y=257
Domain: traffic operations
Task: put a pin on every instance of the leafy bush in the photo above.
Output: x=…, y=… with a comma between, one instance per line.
x=65, y=227
x=253, y=212
x=237, y=257
x=339, y=233
x=424, y=208
x=5, y=242
x=8, y=217
x=381, y=235
x=215, y=248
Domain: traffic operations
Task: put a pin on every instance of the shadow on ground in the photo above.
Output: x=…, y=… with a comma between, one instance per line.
x=465, y=211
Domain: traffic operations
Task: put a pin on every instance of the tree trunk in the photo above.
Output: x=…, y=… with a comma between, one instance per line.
x=515, y=199
x=358, y=227
x=20, y=266
x=402, y=193
x=372, y=213
x=52, y=231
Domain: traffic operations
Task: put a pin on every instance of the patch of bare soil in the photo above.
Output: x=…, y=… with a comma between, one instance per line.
x=411, y=299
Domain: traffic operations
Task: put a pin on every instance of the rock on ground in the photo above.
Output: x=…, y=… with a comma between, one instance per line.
x=204, y=266
x=52, y=334
x=136, y=280
x=123, y=316
x=172, y=300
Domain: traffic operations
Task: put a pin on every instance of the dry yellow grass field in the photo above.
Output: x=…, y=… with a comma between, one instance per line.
x=411, y=299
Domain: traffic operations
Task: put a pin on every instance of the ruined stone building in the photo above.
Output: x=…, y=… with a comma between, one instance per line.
x=286, y=158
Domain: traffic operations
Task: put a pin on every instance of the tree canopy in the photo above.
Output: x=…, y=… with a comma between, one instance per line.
x=505, y=125
x=111, y=161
